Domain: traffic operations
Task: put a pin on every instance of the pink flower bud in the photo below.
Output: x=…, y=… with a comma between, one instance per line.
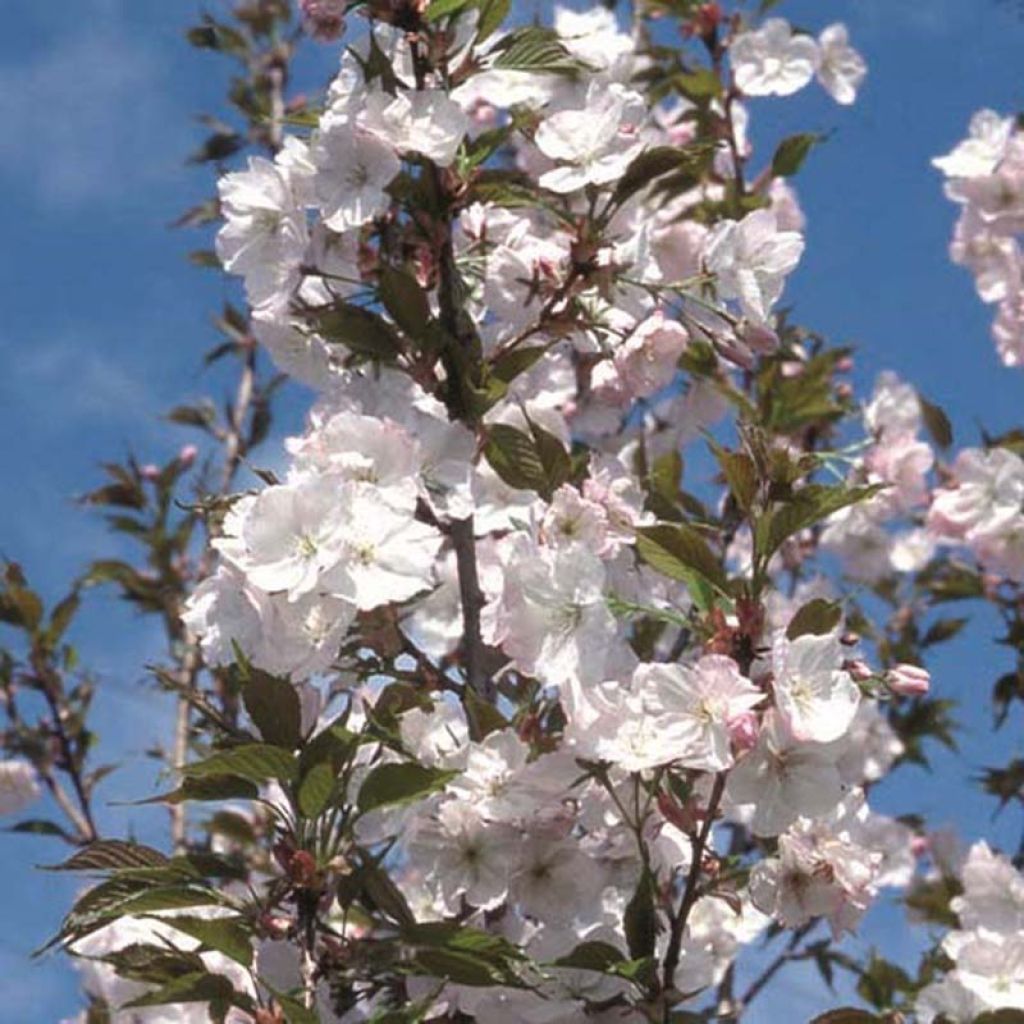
x=919, y=846
x=149, y=471
x=187, y=455
x=324, y=19
x=908, y=680
x=860, y=671
x=760, y=338
x=743, y=730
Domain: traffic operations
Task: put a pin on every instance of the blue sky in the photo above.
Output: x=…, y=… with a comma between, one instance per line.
x=103, y=326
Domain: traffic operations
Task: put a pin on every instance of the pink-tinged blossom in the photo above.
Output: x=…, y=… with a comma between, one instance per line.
x=995, y=260
x=902, y=463
x=814, y=695
x=861, y=542
x=869, y=748
x=594, y=142
x=553, y=619
x=387, y=555
x=980, y=153
x=841, y=69
x=288, y=536
x=751, y=259
x=1008, y=330
x=816, y=875
x=423, y=121
x=648, y=360
x=354, y=167
x=264, y=236
x=949, y=1001
x=571, y=518
x=783, y=779
x=772, y=61
x=703, y=700
x=987, y=486
x=894, y=409
x=464, y=854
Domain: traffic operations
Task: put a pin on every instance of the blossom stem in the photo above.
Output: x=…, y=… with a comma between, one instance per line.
x=700, y=842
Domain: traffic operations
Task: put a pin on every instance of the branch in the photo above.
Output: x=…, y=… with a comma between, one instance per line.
x=788, y=955
x=675, y=943
x=80, y=815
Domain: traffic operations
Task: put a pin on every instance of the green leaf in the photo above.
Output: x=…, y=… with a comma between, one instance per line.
x=273, y=705
x=937, y=422
x=404, y=300
x=942, y=630
x=645, y=168
x=380, y=893
x=391, y=784
x=61, y=616
x=592, y=956
x=254, y=762
x=740, y=474
x=791, y=154
x=881, y=983
x=200, y=987
x=360, y=330
x=534, y=461
x=809, y=505
x=678, y=551
x=699, y=85
x=226, y=935
x=641, y=920
x=535, y=49
x=443, y=8
x=111, y=854
x=208, y=788
x=509, y=365
x=492, y=15
x=817, y=617
x=37, y=827
x=316, y=789
x=464, y=968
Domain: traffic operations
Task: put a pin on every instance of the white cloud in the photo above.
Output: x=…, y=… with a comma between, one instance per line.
x=86, y=117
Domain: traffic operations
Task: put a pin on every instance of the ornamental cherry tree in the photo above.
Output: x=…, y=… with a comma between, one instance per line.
x=549, y=676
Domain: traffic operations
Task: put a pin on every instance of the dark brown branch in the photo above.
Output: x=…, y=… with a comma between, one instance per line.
x=690, y=893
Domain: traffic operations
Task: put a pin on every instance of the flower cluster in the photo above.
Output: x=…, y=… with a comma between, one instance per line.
x=985, y=176
x=987, y=951
x=527, y=293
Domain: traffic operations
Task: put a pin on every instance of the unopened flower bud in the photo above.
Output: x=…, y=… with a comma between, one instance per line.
x=908, y=680
x=860, y=671
x=149, y=472
x=760, y=338
x=323, y=19
x=187, y=455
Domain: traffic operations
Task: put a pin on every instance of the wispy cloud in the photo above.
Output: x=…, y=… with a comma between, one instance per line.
x=84, y=113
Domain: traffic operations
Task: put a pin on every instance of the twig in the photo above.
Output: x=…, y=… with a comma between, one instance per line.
x=788, y=955
x=80, y=816
x=675, y=943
